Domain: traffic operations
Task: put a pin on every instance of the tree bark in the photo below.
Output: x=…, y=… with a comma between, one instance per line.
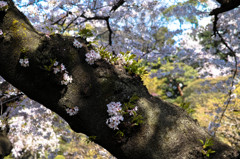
x=226, y=5
x=167, y=132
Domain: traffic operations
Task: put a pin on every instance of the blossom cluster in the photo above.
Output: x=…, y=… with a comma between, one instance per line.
x=77, y=44
x=114, y=110
x=31, y=128
x=92, y=56
x=58, y=68
x=66, y=79
x=1, y=32
x=72, y=111
x=133, y=111
x=24, y=62
x=61, y=68
x=3, y=4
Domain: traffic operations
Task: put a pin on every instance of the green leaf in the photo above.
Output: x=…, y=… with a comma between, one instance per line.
x=85, y=32
x=120, y=133
x=134, y=98
x=201, y=141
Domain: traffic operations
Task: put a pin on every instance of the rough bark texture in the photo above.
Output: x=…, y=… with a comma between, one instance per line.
x=167, y=132
x=5, y=144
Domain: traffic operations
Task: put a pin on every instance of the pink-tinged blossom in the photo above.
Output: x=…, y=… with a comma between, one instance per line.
x=114, y=110
x=72, y=111
x=1, y=32
x=55, y=63
x=114, y=121
x=66, y=79
x=134, y=110
x=47, y=35
x=56, y=70
x=3, y=4
x=24, y=62
x=77, y=44
x=92, y=56
x=63, y=67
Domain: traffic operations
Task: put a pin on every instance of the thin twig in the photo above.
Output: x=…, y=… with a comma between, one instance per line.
x=233, y=77
x=70, y=24
x=105, y=18
x=1, y=107
x=110, y=31
x=12, y=99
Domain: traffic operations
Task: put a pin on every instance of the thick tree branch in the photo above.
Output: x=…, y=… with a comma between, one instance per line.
x=226, y=5
x=117, y=5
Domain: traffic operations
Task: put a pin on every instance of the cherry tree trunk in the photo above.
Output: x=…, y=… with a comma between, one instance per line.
x=167, y=131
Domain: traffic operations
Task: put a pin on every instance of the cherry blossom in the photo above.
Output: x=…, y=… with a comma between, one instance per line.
x=77, y=44
x=66, y=79
x=62, y=67
x=114, y=121
x=55, y=63
x=3, y=4
x=114, y=110
x=72, y=111
x=133, y=111
x=56, y=70
x=92, y=56
x=24, y=62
